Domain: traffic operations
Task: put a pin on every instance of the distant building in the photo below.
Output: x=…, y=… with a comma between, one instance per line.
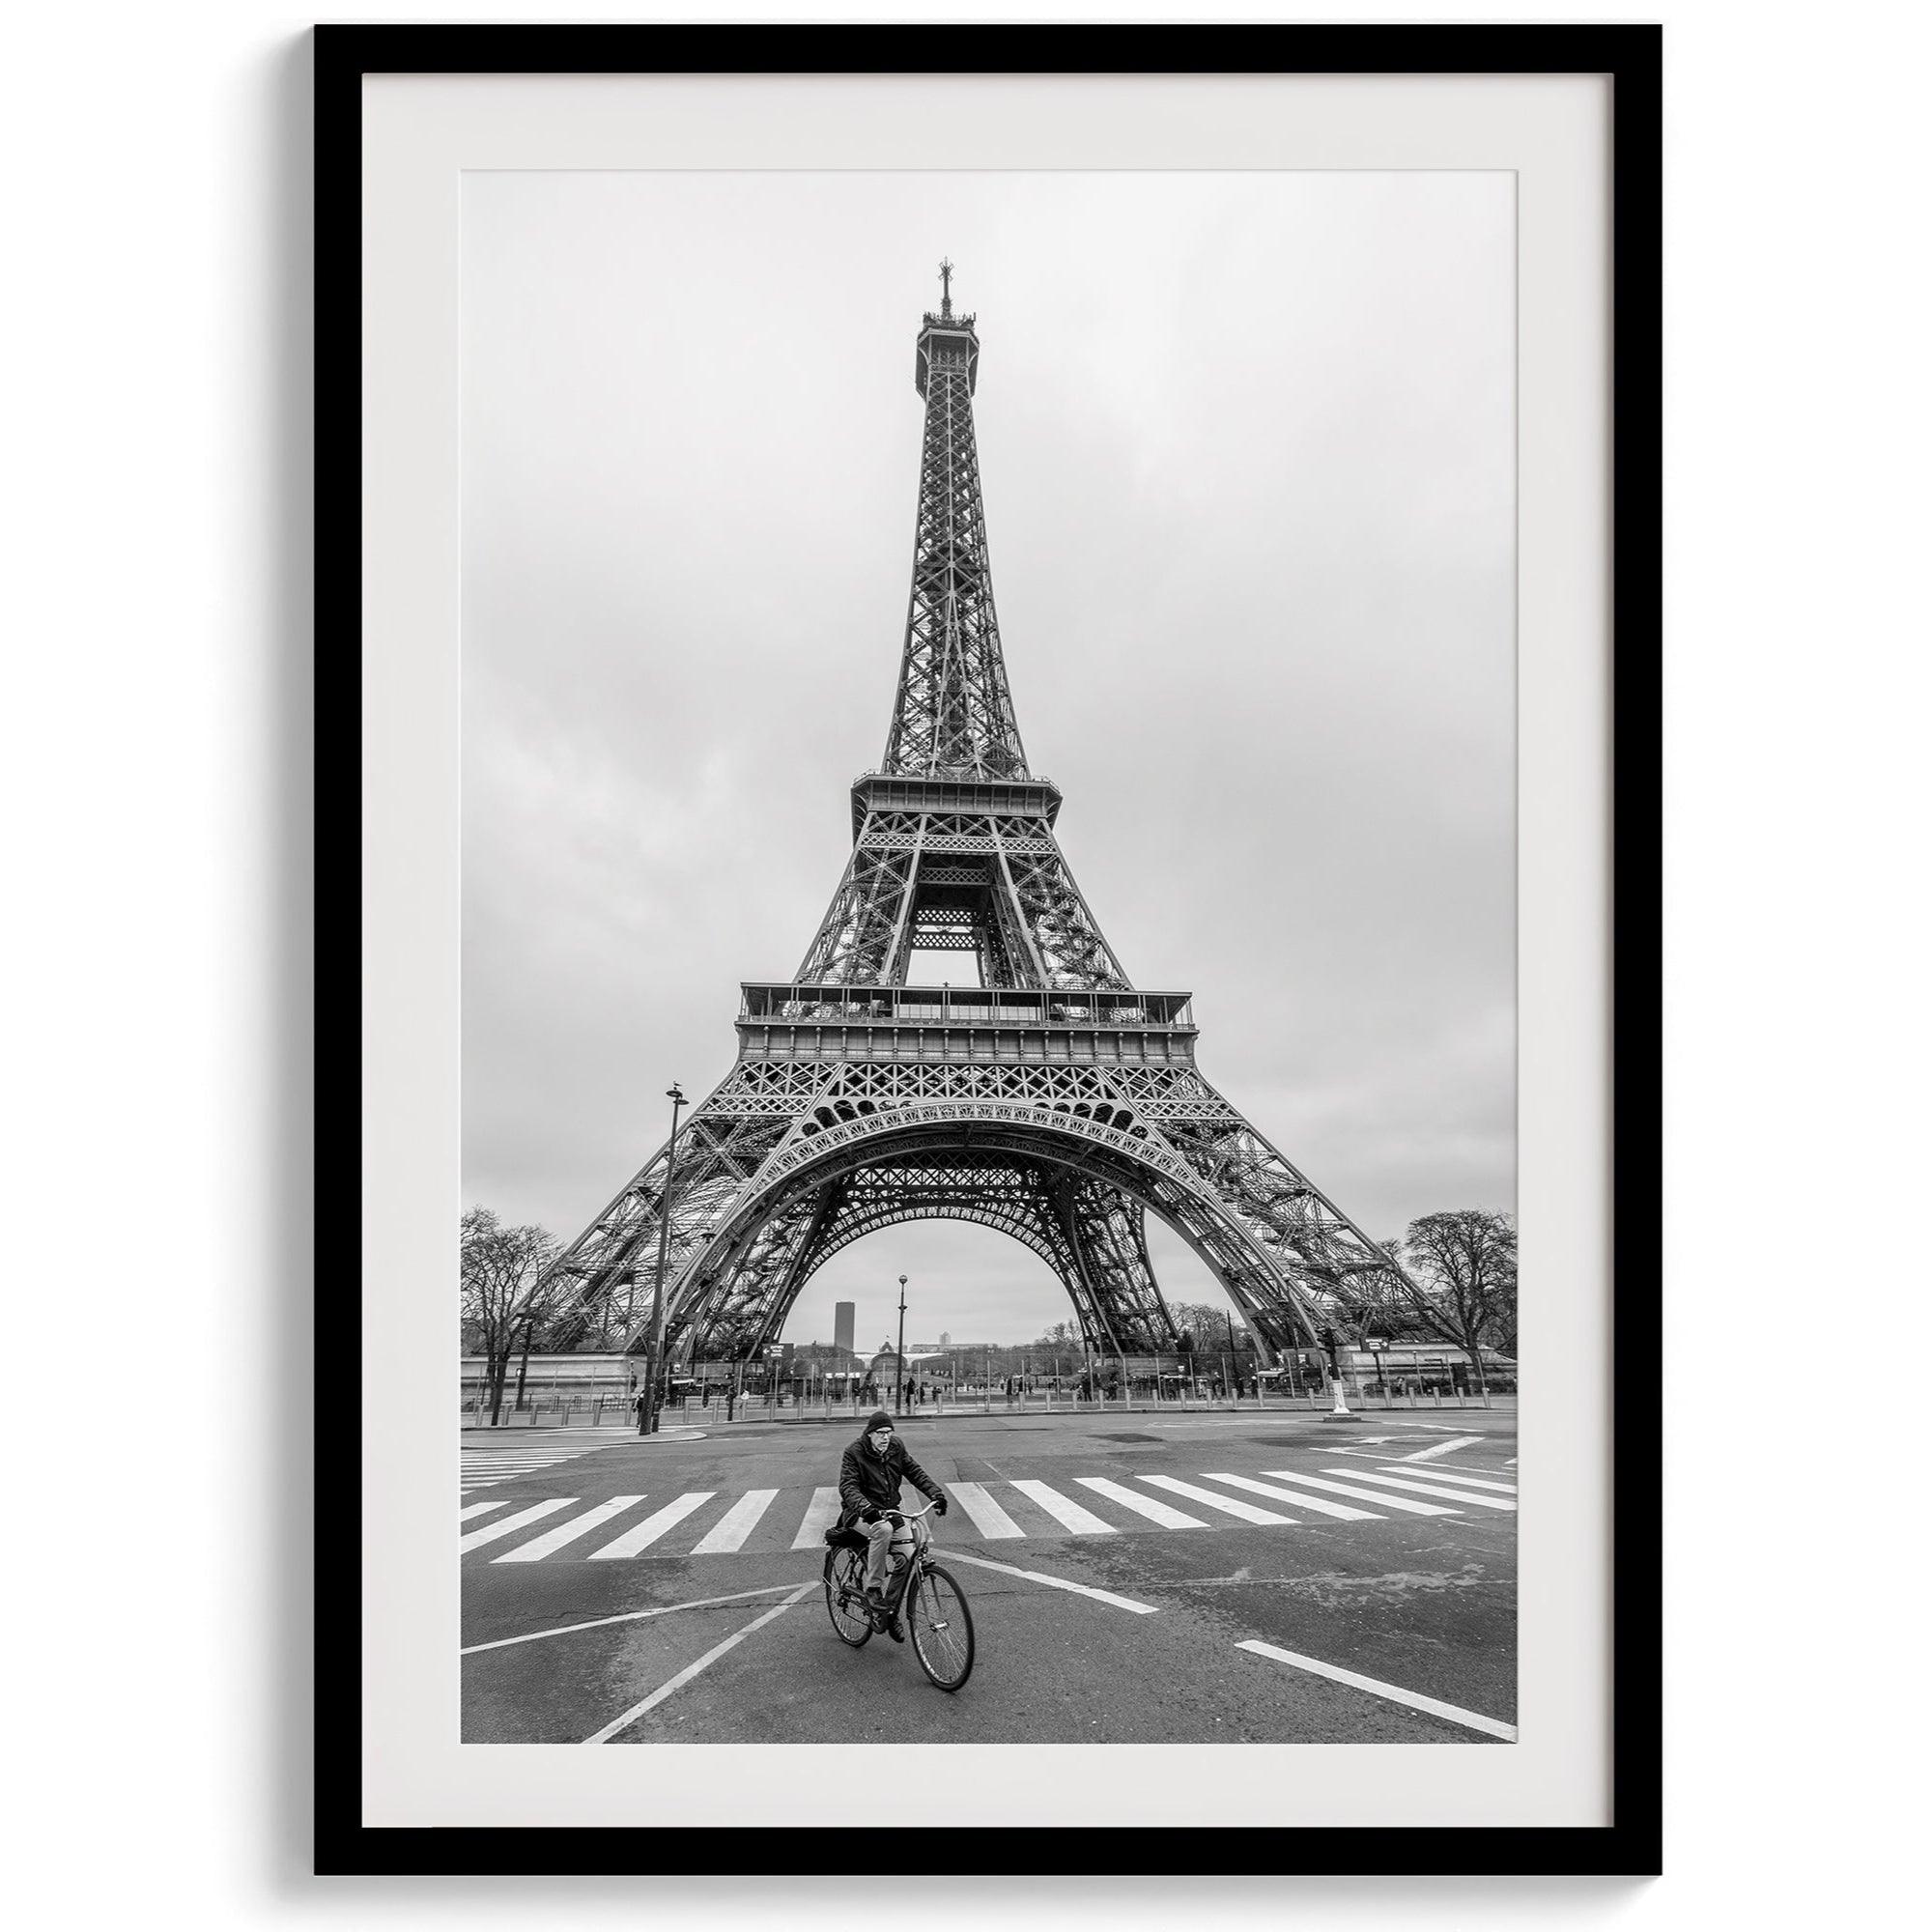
x=844, y=1323
x=944, y=1340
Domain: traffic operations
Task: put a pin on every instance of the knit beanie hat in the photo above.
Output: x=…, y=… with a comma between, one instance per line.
x=878, y=1419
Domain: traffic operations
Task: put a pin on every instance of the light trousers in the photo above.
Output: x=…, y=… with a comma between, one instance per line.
x=888, y=1539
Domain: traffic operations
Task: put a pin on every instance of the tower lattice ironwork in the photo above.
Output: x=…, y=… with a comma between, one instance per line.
x=1055, y=1101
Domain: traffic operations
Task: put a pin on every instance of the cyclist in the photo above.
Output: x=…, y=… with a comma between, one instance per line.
x=869, y=1486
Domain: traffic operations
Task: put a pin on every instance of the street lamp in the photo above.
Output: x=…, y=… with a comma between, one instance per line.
x=653, y=1354
x=899, y=1393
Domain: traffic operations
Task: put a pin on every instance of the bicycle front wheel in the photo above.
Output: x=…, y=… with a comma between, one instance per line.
x=942, y=1627
x=845, y=1596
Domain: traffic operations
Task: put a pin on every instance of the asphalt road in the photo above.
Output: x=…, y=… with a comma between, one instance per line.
x=689, y=1625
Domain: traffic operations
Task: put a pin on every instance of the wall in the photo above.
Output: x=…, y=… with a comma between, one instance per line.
x=156, y=749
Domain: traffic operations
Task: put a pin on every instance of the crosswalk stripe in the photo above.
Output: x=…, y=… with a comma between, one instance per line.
x=1064, y=1510
x=736, y=1524
x=1431, y=1490
x=1377, y=1491
x=988, y=1518
x=1227, y=1505
x=1315, y=1503
x=568, y=1532
x=821, y=1513
x=1468, y=1479
x=1118, y=1493
x=643, y=1535
x=1380, y=1497
x=490, y=1531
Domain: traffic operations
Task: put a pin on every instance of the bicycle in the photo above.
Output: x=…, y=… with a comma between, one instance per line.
x=937, y=1615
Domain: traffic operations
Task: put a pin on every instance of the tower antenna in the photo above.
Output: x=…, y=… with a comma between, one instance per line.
x=946, y=290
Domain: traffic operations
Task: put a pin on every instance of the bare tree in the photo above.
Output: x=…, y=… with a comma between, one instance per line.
x=1208, y=1329
x=1460, y=1279
x=508, y=1291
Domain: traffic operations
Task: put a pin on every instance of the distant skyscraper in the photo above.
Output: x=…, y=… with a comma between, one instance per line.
x=844, y=1322
x=944, y=1340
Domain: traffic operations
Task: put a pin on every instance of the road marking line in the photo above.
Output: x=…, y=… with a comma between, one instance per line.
x=736, y=1524
x=691, y=1670
x=1511, y=1464
x=1064, y=1510
x=1056, y=1583
x=1118, y=1493
x=1431, y=1488
x=1380, y=1498
x=820, y=1515
x=1227, y=1505
x=481, y=1509
x=988, y=1518
x=641, y=1535
x=1316, y=1503
x=489, y=1532
x=1394, y=1693
x=535, y=1551
x=627, y=1617
x=1436, y=1449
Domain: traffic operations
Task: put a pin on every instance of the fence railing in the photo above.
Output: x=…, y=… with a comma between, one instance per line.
x=788, y=1406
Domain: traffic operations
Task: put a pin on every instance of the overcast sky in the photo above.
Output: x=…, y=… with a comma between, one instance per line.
x=1247, y=449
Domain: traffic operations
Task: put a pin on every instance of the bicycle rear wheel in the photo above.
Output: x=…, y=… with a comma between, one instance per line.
x=845, y=1596
x=942, y=1627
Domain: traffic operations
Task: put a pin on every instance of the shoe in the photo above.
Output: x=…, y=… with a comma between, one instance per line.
x=896, y=1631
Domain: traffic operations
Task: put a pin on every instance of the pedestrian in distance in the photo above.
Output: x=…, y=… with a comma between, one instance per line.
x=869, y=1475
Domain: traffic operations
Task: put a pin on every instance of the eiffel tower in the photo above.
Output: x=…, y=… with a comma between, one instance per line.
x=1055, y=1101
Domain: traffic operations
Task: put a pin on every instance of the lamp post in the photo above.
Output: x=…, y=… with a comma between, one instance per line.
x=653, y=1354
x=898, y=1391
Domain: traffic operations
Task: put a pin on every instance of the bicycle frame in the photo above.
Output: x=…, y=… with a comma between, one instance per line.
x=922, y=1545
x=899, y=1581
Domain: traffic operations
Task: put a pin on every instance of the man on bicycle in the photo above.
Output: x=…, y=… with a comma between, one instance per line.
x=869, y=1486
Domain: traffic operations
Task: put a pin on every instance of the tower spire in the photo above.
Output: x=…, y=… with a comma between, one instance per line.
x=954, y=717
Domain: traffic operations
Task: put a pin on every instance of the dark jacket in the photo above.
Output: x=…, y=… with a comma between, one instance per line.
x=867, y=1480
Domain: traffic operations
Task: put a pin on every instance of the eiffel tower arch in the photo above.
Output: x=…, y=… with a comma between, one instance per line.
x=1055, y=1101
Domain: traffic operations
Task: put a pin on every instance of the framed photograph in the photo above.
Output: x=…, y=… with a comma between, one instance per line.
x=1024, y=1211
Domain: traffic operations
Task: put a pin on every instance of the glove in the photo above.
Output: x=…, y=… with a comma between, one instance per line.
x=872, y=1516
x=939, y=1505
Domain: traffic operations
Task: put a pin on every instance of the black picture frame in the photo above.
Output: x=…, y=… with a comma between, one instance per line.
x=1631, y=56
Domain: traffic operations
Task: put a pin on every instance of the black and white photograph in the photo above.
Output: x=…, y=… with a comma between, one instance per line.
x=920, y=926
x=988, y=1107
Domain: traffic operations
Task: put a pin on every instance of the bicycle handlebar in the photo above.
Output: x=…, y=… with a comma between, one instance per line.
x=912, y=1515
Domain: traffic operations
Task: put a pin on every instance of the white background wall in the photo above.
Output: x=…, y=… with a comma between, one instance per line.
x=154, y=592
